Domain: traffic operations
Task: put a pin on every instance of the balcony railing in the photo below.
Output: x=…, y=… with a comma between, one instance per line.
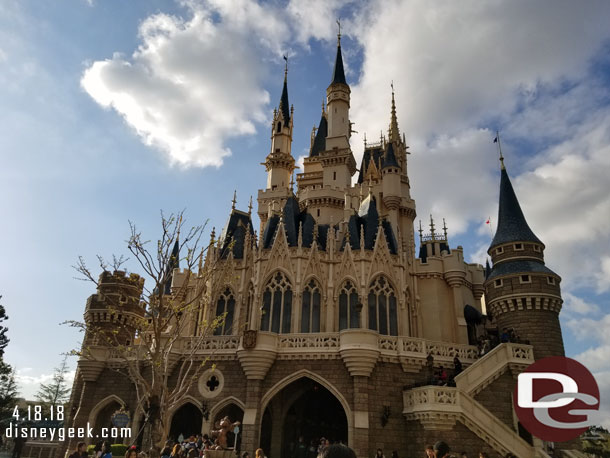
x=310, y=344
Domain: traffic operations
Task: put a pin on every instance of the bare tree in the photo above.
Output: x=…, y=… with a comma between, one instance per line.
x=167, y=322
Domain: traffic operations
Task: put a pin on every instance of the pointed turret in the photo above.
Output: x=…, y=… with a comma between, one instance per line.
x=521, y=292
x=280, y=163
x=284, y=106
x=319, y=142
x=174, y=263
x=338, y=102
x=512, y=226
x=394, y=131
x=389, y=158
x=338, y=72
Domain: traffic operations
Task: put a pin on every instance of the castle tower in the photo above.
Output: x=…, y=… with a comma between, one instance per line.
x=520, y=291
x=112, y=313
x=279, y=162
x=338, y=168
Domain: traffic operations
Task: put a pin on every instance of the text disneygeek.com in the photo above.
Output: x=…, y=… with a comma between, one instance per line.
x=61, y=433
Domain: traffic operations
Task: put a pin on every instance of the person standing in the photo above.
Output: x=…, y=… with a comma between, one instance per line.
x=429, y=451
x=379, y=453
x=18, y=447
x=80, y=451
x=441, y=449
x=106, y=450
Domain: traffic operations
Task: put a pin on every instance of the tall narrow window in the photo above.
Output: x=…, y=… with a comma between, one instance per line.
x=383, y=314
x=249, y=305
x=277, y=305
x=310, y=308
x=348, y=298
x=225, y=306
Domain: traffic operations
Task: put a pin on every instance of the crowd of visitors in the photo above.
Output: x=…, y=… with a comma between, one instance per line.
x=196, y=446
x=488, y=342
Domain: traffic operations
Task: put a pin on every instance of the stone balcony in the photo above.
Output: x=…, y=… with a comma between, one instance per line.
x=360, y=349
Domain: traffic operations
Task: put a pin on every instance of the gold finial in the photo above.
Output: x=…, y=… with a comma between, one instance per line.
x=432, y=228
x=365, y=140
x=292, y=181
x=339, y=34
x=212, y=236
x=497, y=140
x=250, y=206
x=323, y=106
x=445, y=228
x=179, y=227
x=234, y=201
x=421, y=232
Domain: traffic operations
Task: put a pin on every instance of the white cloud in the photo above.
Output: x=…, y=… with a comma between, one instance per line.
x=454, y=63
x=574, y=305
x=460, y=65
x=315, y=18
x=192, y=84
x=30, y=384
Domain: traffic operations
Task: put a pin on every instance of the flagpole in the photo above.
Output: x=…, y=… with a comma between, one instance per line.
x=500, y=150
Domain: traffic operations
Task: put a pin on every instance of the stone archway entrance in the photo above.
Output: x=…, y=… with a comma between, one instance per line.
x=104, y=419
x=302, y=408
x=235, y=413
x=187, y=421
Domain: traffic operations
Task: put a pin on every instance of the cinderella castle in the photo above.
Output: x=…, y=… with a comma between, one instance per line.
x=336, y=324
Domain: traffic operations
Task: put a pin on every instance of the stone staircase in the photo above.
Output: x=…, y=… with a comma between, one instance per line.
x=488, y=368
x=440, y=407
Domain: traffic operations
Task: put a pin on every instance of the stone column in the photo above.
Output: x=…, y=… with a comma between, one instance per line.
x=252, y=419
x=456, y=280
x=360, y=442
x=359, y=352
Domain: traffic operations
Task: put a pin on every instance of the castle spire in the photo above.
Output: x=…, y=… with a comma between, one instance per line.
x=173, y=263
x=512, y=226
x=394, y=132
x=284, y=104
x=338, y=72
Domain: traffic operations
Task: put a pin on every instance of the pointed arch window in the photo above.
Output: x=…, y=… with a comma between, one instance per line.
x=277, y=305
x=348, y=313
x=310, y=307
x=382, y=307
x=225, y=305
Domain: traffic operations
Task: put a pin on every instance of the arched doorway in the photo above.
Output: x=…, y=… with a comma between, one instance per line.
x=235, y=413
x=303, y=408
x=187, y=421
x=103, y=419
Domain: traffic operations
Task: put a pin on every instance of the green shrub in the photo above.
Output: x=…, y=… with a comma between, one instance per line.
x=118, y=450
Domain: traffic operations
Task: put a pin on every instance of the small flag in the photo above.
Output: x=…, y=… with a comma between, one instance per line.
x=496, y=140
x=286, y=58
x=488, y=221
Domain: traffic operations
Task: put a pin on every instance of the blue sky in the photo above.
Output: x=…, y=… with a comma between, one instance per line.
x=112, y=110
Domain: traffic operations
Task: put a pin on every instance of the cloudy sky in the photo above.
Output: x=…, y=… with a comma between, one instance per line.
x=113, y=110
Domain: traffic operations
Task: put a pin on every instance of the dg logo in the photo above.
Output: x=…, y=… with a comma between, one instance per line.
x=556, y=399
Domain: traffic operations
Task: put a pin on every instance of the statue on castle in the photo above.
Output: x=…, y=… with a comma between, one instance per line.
x=220, y=433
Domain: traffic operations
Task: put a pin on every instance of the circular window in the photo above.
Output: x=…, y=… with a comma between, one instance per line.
x=211, y=383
